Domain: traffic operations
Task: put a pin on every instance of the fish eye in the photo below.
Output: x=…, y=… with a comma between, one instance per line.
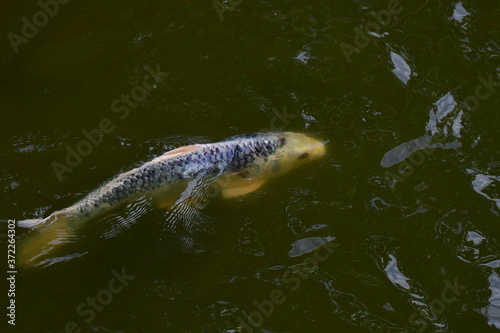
x=282, y=142
x=304, y=155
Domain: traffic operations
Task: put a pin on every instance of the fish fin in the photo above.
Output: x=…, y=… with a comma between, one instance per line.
x=177, y=152
x=39, y=244
x=166, y=198
x=30, y=223
x=237, y=186
x=166, y=203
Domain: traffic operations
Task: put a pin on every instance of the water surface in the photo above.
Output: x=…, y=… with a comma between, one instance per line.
x=395, y=230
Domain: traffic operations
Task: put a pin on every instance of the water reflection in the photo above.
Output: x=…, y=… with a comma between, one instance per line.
x=401, y=68
x=394, y=274
x=483, y=183
x=492, y=310
x=307, y=245
x=459, y=12
x=444, y=121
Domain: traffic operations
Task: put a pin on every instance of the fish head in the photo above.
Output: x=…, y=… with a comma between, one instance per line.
x=295, y=150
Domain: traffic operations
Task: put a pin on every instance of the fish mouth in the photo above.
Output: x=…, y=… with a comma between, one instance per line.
x=316, y=148
x=301, y=143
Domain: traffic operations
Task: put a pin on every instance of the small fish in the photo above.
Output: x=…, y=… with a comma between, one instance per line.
x=238, y=165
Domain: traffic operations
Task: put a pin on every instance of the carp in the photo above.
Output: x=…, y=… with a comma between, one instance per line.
x=237, y=165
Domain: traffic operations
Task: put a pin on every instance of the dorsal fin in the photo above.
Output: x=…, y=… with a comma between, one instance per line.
x=177, y=152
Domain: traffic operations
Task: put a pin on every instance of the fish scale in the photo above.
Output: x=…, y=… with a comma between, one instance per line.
x=230, y=156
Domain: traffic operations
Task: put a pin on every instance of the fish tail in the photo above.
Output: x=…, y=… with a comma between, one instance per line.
x=38, y=246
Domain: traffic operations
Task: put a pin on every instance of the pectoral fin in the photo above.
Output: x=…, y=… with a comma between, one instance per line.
x=236, y=186
x=165, y=198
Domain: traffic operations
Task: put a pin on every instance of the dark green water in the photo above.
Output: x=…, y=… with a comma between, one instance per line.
x=406, y=203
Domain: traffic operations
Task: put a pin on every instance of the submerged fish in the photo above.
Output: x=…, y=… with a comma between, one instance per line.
x=238, y=165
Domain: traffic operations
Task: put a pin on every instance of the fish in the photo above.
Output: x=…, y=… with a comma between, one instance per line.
x=237, y=166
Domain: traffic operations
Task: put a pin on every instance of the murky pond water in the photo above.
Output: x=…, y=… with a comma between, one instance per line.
x=396, y=229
